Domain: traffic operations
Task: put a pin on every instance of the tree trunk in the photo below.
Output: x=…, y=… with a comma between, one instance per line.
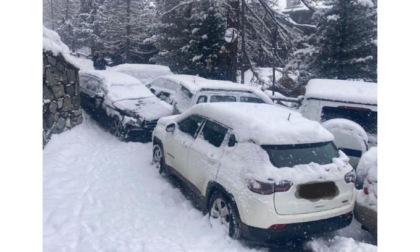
x=128, y=33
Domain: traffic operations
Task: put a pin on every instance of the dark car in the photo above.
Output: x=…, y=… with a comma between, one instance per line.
x=121, y=104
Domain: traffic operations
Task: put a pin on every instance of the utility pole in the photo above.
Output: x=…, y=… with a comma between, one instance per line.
x=232, y=48
x=243, y=43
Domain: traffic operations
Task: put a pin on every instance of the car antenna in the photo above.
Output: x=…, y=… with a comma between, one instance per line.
x=288, y=119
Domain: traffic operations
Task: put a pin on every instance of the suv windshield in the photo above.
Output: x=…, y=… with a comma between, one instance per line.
x=291, y=155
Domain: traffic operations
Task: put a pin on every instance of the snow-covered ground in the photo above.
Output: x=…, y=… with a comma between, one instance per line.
x=101, y=194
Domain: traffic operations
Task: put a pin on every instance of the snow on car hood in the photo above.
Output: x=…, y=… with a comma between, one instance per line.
x=254, y=163
x=149, y=108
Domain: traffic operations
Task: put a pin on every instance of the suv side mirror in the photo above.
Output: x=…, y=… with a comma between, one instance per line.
x=232, y=141
x=170, y=127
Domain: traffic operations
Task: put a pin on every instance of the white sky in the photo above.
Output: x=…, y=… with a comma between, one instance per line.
x=21, y=178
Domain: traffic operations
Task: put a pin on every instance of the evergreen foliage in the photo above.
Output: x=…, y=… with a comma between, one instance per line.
x=190, y=36
x=347, y=37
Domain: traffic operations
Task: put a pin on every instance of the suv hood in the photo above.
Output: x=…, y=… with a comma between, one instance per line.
x=150, y=108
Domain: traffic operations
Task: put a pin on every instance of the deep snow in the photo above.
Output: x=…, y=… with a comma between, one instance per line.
x=101, y=194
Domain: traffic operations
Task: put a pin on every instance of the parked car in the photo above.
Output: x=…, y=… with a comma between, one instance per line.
x=145, y=73
x=262, y=171
x=354, y=102
x=121, y=103
x=367, y=199
x=183, y=91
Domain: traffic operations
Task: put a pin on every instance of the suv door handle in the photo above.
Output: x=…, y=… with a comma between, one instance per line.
x=185, y=144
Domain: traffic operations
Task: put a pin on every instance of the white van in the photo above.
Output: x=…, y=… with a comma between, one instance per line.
x=348, y=109
x=183, y=91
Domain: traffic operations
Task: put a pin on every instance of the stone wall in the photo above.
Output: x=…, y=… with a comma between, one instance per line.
x=61, y=99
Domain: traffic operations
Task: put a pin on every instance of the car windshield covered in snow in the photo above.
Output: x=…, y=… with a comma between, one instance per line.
x=294, y=154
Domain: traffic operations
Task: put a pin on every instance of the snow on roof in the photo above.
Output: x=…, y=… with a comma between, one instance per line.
x=342, y=90
x=145, y=73
x=52, y=42
x=195, y=83
x=263, y=123
x=184, y=79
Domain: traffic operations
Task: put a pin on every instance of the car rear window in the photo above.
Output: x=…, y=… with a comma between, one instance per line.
x=291, y=155
x=364, y=117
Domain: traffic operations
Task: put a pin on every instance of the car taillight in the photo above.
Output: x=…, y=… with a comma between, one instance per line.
x=269, y=187
x=350, y=177
x=366, y=190
x=277, y=226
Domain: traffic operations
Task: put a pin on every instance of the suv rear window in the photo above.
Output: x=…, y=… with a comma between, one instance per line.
x=291, y=155
x=364, y=117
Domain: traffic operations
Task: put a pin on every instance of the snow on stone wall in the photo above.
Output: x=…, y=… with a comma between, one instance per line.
x=61, y=98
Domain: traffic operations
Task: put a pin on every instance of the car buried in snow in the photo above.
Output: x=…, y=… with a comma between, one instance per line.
x=366, y=208
x=263, y=172
x=348, y=109
x=121, y=104
x=183, y=91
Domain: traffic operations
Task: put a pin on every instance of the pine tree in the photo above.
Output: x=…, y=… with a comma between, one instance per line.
x=190, y=36
x=126, y=25
x=347, y=38
x=89, y=25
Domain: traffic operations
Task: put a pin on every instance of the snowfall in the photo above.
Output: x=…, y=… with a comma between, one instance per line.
x=102, y=194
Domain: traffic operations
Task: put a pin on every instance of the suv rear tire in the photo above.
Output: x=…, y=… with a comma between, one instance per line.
x=221, y=208
x=158, y=159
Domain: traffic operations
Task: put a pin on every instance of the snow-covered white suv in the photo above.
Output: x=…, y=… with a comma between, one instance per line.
x=265, y=172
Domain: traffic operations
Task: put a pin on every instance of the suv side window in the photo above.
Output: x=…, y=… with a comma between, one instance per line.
x=190, y=125
x=251, y=99
x=214, y=133
x=201, y=99
x=222, y=98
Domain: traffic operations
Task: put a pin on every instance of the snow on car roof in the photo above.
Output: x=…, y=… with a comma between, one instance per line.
x=342, y=90
x=145, y=73
x=111, y=78
x=195, y=83
x=264, y=123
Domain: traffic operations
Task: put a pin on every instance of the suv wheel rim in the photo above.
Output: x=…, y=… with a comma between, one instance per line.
x=157, y=157
x=220, y=210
